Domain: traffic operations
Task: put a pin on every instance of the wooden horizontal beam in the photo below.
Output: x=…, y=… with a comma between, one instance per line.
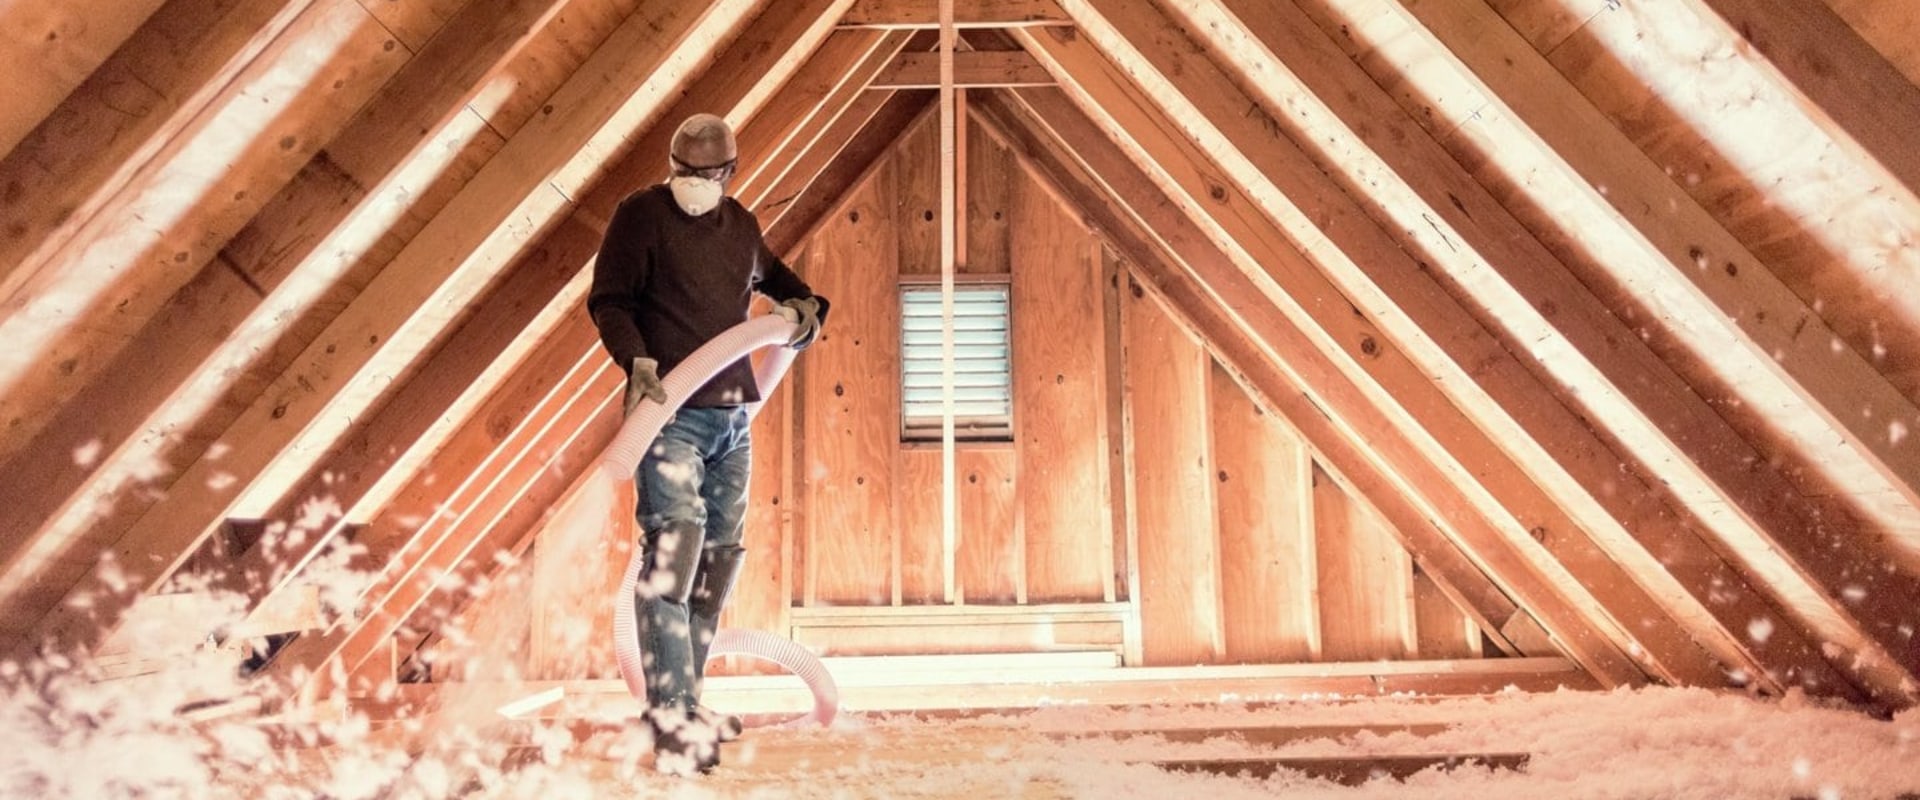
x=1346, y=770
x=932, y=614
x=925, y=14
x=972, y=69
x=779, y=694
x=828, y=88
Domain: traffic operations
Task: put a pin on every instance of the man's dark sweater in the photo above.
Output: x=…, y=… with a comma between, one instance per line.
x=667, y=283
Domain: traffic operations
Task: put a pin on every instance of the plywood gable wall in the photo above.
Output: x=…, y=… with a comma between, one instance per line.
x=1246, y=551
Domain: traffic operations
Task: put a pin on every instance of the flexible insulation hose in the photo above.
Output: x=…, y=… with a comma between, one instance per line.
x=622, y=456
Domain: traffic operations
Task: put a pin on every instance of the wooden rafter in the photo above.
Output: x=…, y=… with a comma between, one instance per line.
x=50, y=49
x=1751, y=335
x=455, y=390
x=432, y=531
x=1366, y=352
x=1125, y=226
x=116, y=203
x=827, y=88
x=1554, y=447
x=775, y=40
x=1551, y=321
x=412, y=301
x=203, y=347
x=1429, y=512
x=1748, y=331
x=838, y=164
x=1840, y=74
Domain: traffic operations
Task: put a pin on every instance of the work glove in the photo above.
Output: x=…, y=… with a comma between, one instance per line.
x=807, y=314
x=643, y=383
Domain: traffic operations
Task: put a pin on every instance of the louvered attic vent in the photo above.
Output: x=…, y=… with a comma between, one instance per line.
x=983, y=363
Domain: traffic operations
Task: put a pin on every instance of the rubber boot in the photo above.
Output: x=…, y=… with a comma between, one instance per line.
x=719, y=568
x=660, y=613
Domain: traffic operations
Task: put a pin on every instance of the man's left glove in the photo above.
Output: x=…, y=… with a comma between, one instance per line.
x=643, y=383
x=808, y=314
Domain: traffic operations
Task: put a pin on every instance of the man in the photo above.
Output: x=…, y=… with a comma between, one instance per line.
x=677, y=267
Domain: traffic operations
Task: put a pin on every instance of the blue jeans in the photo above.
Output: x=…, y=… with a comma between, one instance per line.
x=696, y=472
x=692, y=511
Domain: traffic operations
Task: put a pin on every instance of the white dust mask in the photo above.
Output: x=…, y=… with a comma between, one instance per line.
x=696, y=195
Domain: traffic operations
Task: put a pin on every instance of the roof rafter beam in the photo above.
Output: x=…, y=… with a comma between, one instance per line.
x=1564, y=334
x=565, y=424
x=827, y=87
x=329, y=221
x=1397, y=379
x=1849, y=85
x=440, y=401
x=1279, y=345
x=767, y=56
x=1125, y=227
x=48, y=49
x=1745, y=330
x=520, y=192
x=109, y=211
x=852, y=148
x=426, y=410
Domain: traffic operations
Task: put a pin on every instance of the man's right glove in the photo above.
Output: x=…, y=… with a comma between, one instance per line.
x=808, y=313
x=644, y=383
